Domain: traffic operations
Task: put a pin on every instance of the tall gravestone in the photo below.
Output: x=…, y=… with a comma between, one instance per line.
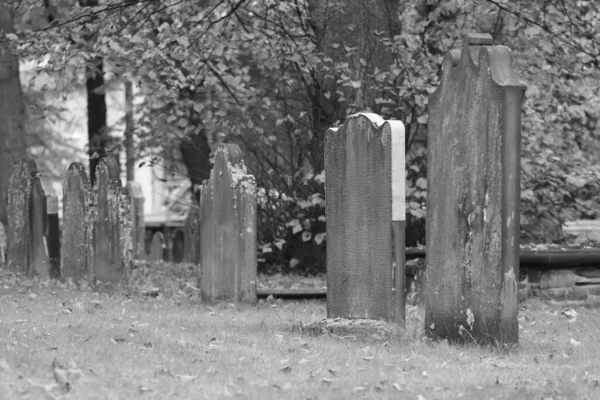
x=107, y=254
x=359, y=211
x=191, y=236
x=138, y=228
x=76, y=223
x=126, y=229
x=473, y=171
x=18, y=234
x=44, y=249
x=2, y=245
x=228, y=230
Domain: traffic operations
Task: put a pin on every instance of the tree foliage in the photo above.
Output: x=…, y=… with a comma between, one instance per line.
x=273, y=75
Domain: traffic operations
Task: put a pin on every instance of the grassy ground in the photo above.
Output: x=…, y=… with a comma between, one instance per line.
x=60, y=342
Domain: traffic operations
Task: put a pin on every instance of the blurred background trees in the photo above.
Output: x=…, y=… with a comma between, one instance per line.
x=273, y=75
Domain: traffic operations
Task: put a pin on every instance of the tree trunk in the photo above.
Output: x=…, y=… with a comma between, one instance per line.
x=12, y=134
x=98, y=138
x=339, y=25
x=96, y=110
x=129, y=145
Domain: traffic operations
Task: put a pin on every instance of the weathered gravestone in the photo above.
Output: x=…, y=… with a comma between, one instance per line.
x=191, y=236
x=2, y=245
x=360, y=199
x=157, y=247
x=18, y=229
x=76, y=223
x=228, y=230
x=107, y=265
x=138, y=227
x=126, y=230
x=44, y=250
x=473, y=196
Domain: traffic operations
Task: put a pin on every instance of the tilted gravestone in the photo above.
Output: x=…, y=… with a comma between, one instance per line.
x=191, y=236
x=157, y=247
x=44, y=250
x=473, y=194
x=18, y=229
x=107, y=256
x=137, y=220
x=228, y=230
x=76, y=223
x=364, y=193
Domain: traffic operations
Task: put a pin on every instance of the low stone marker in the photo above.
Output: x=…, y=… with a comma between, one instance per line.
x=137, y=220
x=473, y=194
x=191, y=238
x=18, y=229
x=228, y=230
x=44, y=256
x=107, y=265
x=359, y=211
x=157, y=247
x=76, y=223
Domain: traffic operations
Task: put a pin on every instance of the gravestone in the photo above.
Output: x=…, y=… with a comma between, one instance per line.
x=76, y=223
x=126, y=229
x=364, y=193
x=2, y=245
x=107, y=265
x=178, y=240
x=44, y=256
x=228, y=230
x=18, y=229
x=137, y=220
x=191, y=236
x=473, y=194
x=157, y=247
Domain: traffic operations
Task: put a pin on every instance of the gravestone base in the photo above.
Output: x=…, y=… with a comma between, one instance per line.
x=354, y=329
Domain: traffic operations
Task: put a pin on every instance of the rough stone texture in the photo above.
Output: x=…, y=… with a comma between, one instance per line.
x=44, y=250
x=191, y=237
x=137, y=220
x=76, y=224
x=359, y=219
x=557, y=278
x=228, y=230
x=157, y=247
x=473, y=196
x=18, y=229
x=126, y=230
x=107, y=266
x=2, y=245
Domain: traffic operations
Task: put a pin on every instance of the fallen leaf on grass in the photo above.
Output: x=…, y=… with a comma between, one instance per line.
x=61, y=376
x=368, y=358
x=186, y=378
x=4, y=365
x=118, y=340
x=144, y=389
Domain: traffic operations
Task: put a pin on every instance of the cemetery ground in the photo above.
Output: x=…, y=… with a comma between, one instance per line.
x=156, y=340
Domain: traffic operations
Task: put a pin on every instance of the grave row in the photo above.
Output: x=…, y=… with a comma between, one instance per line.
x=102, y=228
x=472, y=227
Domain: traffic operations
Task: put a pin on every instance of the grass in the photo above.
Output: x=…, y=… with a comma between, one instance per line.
x=58, y=341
